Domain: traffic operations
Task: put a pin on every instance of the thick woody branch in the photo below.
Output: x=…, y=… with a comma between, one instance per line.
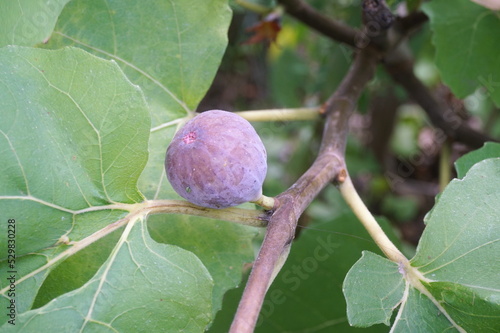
x=375, y=11
x=328, y=166
x=377, y=19
x=346, y=97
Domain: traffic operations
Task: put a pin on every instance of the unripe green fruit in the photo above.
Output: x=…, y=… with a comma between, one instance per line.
x=217, y=160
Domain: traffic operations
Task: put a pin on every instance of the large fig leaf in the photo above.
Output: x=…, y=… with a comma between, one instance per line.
x=455, y=284
x=142, y=286
x=171, y=49
x=28, y=22
x=73, y=141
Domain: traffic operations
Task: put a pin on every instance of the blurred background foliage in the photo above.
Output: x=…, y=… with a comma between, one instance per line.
x=394, y=160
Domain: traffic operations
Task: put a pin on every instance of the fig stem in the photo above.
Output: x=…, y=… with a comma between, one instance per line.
x=265, y=202
x=250, y=217
x=294, y=114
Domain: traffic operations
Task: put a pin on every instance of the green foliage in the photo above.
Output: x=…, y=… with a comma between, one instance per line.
x=466, y=49
x=75, y=135
x=76, y=270
x=368, y=305
x=53, y=176
x=53, y=171
x=310, y=282
x=319, y=258
x=456, y=258
x=464, y=163
x=221, y=246
x=28, y=22
x=91, y=94
x=143, y=285
x=157, y=45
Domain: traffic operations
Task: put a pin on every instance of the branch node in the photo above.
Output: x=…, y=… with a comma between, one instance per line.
x=341, y=177
x=323, y=109
x=377, y=16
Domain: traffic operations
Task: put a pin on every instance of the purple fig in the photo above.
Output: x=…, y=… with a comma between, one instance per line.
x=217, y=160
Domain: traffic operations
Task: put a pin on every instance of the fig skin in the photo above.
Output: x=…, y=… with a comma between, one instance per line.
x=217, y=160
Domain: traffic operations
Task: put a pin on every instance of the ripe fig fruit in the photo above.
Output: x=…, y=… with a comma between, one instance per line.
x=217, y=160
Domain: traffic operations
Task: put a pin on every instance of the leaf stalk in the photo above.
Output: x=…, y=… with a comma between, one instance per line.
x=354, y=201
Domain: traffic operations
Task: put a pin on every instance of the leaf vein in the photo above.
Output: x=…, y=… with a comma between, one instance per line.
x=127, y=63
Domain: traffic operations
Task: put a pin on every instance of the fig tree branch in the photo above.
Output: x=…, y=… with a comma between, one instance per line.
x=251, y=217
x=329, y=166
x=376, y=16
x=336, y=30
x=399, y=65
x=440, y=115
x=412, y=21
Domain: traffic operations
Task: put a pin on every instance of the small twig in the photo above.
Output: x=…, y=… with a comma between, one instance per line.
x=279, y=235
x=380, y=20
x=251, y=217
x=316, y=20
x=412, y=21
x=328, y=166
